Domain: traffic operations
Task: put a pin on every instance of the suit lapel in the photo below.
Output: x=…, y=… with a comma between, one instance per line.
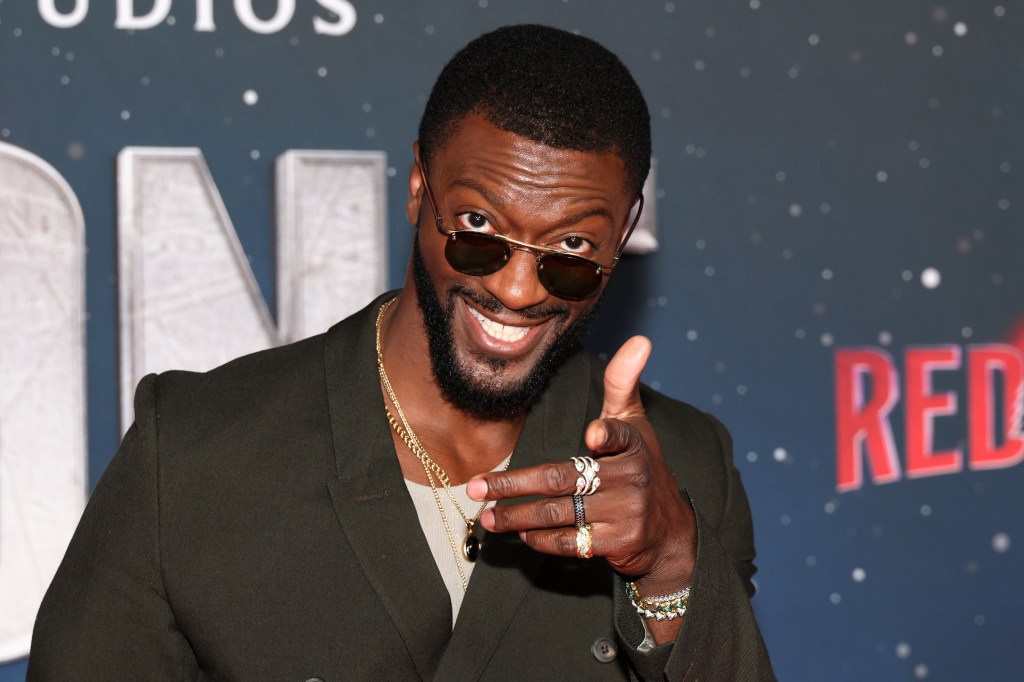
x=507, y=568
x=371, y=499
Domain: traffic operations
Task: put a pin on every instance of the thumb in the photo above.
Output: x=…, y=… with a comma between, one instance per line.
x=622, y=378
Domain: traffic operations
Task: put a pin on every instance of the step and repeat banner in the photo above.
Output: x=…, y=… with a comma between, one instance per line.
x=833, y=264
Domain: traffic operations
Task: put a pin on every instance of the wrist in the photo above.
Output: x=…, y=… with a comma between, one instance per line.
x=674, y=559
x=673, y=572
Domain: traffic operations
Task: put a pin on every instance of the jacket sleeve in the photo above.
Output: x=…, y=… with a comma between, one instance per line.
x=106, y=616
x=719, y=638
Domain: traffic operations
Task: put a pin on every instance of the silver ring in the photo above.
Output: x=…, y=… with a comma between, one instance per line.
x=588, y=481
x=577, y=506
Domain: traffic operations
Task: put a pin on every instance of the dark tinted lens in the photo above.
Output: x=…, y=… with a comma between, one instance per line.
x=476, y=254
x=568, y=277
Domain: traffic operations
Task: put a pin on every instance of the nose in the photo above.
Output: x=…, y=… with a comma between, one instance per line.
x=516, y=285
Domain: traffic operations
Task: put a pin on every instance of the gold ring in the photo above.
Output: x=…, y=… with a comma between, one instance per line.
x=584, y=544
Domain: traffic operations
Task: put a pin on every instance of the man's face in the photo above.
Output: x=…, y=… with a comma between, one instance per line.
x=495, y=340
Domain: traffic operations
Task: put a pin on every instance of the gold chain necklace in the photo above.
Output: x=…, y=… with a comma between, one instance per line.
x=471, y=545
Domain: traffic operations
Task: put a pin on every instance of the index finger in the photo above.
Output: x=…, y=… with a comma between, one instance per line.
x=553, y=478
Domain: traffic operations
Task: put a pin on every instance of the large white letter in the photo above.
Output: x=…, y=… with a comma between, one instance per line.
x=346, y=18
x=332, y=249
x=187, y=297
x=283, y=15
x=42, y=385
x=204, y=16
x=48, y=11
x=645, y=236
x=127, y=19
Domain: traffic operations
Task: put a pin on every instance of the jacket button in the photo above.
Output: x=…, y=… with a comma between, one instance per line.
x=604, y=650
x=315, y=679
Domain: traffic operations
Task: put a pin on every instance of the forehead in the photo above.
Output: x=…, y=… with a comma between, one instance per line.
x=481, y=154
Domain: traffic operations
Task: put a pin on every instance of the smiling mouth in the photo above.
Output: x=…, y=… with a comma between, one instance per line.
x=502, y=332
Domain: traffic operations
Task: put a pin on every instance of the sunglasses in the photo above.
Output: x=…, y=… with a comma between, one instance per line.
x=564, y=275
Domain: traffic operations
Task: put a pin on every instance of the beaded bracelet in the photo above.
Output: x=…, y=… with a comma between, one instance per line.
x=667, y=606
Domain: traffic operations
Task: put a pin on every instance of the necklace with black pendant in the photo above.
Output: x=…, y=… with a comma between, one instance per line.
x=471, y=545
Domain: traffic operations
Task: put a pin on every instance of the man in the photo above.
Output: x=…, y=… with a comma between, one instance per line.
x=317, y=511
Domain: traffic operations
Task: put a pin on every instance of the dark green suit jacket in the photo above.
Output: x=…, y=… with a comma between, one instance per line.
x=255, y=525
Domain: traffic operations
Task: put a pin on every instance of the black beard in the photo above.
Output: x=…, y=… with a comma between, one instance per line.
x=487, y=400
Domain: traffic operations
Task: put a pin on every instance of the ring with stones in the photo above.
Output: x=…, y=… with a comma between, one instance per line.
x=588, y=481
x=584, y=542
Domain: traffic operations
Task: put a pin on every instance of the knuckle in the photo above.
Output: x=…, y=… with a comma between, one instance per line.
x=616, y=431
x=501, y=484
x=556, y=477
x=565, y=543
x=625, y=437
x=636, y=442
x=504, y=519
x=550, y=512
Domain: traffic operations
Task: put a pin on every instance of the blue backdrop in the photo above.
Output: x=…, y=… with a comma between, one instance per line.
x=831, y=176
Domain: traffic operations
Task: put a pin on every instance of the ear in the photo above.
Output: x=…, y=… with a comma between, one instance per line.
x=413, y=203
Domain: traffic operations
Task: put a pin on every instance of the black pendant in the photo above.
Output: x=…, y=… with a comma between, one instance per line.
x=471, y=545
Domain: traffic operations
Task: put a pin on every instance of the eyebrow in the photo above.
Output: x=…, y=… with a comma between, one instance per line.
x=494, y=199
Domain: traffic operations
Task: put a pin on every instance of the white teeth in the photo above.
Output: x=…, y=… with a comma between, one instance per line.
x=502, y=332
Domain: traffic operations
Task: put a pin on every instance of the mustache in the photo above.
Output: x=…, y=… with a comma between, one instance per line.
x=493, y=305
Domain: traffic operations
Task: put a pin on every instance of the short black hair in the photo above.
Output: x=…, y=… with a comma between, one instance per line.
x=551, y=86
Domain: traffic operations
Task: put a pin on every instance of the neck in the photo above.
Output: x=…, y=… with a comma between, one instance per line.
x=461, y=444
